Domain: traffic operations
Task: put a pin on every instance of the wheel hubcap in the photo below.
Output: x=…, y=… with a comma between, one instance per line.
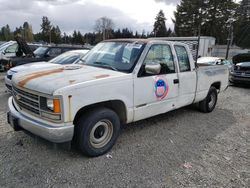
x=101, y=133
x=212, y=100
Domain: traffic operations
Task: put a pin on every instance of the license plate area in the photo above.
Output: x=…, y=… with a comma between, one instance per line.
x=13, y=121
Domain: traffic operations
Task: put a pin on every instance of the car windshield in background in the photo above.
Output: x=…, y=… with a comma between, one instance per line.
x=40, y=51
x=66, y=58
x=118, y=56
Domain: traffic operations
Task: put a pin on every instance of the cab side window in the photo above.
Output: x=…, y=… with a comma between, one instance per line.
x=183, y=59
x=159, y=54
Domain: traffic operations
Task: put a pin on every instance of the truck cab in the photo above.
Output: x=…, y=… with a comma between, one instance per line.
x=117, y=82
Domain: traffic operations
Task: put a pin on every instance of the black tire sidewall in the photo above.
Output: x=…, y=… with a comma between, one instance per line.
x=211, y=90
x=85, y=126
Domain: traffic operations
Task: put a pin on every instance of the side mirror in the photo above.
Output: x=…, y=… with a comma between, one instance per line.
x=219, y=63
x=154, y=68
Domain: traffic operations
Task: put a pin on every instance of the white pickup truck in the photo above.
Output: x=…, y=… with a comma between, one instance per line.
x=117, y=82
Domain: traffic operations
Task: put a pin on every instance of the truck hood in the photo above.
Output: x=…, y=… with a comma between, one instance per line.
x=32, y=66
x=48, y=80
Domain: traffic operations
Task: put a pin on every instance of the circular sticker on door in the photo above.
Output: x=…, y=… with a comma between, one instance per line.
x=161, y=88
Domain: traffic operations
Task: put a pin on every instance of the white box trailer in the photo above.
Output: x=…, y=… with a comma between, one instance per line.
x=205, y=46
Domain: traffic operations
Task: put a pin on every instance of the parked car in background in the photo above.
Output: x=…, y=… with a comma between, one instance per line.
x=9, y=50
x=43, y=53
x=240, y=71
x=214, y=61
x=69, y=57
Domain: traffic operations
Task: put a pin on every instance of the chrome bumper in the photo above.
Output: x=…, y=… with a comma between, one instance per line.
x=54, y=134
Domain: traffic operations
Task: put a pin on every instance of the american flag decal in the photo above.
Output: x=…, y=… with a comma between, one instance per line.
x=161, y=89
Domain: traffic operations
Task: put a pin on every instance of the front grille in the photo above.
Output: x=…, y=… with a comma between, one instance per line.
x=240, y=68
x=26, y=100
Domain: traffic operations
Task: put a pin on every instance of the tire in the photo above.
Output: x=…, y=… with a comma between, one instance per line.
x=209, y=103
x=97, y=131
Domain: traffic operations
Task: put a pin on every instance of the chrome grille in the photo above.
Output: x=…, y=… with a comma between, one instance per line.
x=26, y=100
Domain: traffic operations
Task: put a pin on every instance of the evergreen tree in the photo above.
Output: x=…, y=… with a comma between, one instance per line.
x=188, y=18
x=46, y=29
x=27, y=32
x=211, y=16
x=242, y=25
x=160, y=29
x=56, y=35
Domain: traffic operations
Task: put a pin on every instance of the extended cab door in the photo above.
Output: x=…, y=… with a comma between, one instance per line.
x=186, y=76
x=155, y=93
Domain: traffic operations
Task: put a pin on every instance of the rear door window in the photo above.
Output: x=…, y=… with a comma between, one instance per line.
x=183, y=59
x=54, y=52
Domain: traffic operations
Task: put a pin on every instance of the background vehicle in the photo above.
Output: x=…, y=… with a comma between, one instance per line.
x=119, y=81
x=240, y=71
x=69, y=57
x=43, y=53
x=214, y=61
x=10, y=50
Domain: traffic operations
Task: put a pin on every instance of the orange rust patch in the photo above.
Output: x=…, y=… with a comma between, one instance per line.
x=37, y=75
x=102, y=76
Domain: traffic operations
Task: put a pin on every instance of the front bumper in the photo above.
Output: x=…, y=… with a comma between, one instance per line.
x=239, y=79
x=54, y=134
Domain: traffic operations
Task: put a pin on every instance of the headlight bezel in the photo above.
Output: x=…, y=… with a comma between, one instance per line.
x=49, y=108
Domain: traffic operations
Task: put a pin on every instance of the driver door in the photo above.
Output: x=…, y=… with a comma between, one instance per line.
x=156, y=93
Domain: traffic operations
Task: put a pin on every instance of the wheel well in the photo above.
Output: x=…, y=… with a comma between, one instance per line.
x=115, y=105
x=216, y=85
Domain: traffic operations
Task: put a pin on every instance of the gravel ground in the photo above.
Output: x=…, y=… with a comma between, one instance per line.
x=183, y=148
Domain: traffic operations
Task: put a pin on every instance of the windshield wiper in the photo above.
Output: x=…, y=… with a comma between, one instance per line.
x=105, y=65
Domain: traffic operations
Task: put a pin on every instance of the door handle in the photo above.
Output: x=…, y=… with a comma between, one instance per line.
x=176, y=81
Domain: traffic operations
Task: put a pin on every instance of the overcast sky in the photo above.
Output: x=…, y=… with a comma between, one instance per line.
x=80, y=15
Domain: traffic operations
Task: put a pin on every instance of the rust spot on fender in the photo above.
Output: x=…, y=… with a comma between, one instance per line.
x=102, y=76
x=37, y=75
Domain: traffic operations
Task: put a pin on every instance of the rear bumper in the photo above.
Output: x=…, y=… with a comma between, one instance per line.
x=54, y=134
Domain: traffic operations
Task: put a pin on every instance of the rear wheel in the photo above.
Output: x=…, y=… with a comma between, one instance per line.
x=209, y=103
x=97, y=131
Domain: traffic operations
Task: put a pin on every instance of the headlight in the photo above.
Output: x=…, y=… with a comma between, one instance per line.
x=50, y=104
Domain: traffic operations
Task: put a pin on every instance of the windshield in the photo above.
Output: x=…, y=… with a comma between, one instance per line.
x=40, y=51
x=66, y=58
x=5, y=45
x=118, y=56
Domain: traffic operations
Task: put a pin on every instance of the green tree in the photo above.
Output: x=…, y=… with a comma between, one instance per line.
x=6, y=33
x=27, y=32
x=242, y=25
x=160, y=29
x=188, y=18
x=56, y=35
x=211, y=16
x=46, y=29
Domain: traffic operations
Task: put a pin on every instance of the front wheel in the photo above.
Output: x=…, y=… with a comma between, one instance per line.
x=209, y=103
x=97, y=131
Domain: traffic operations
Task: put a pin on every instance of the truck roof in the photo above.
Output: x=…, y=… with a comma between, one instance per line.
x=144, y=41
